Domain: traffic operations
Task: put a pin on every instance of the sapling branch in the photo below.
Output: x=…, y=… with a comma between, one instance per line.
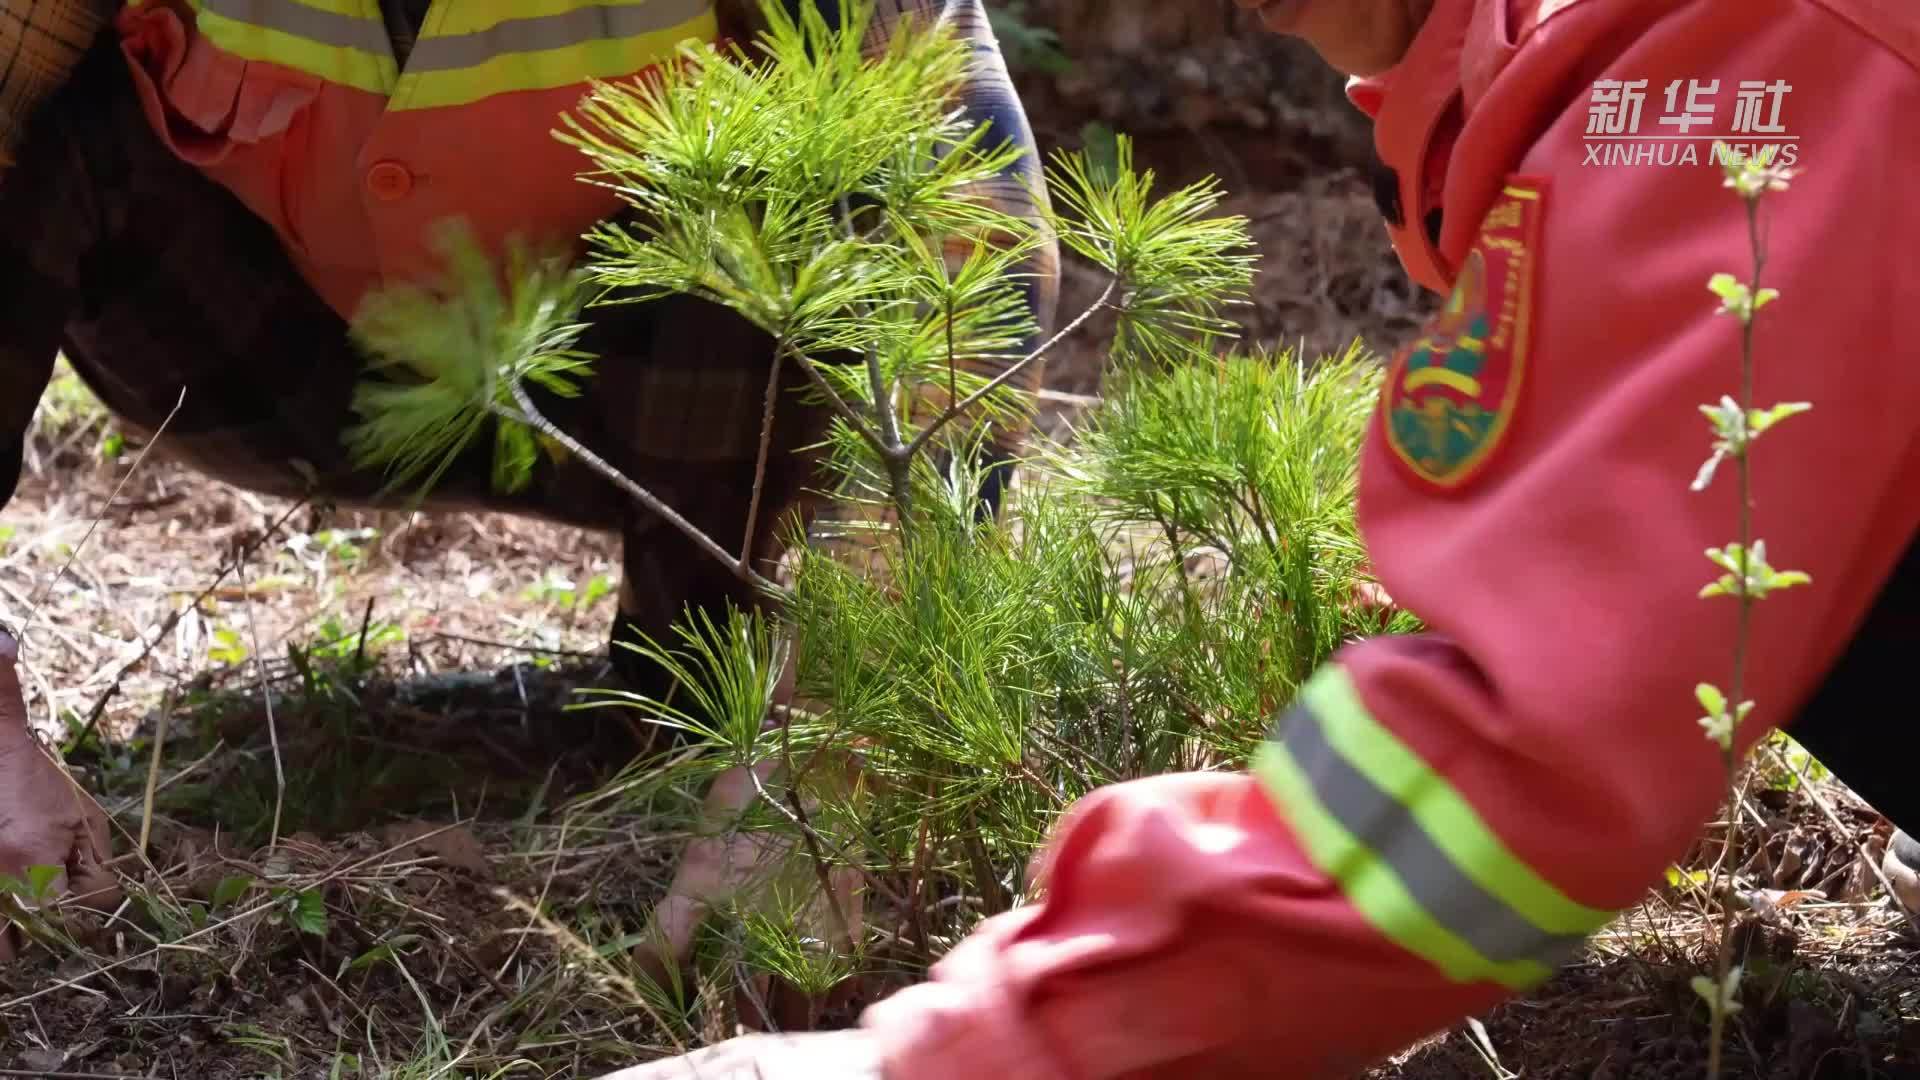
x=530, y=415
x=953, y=377
x=955, y=410
x=817, y=847
x=817, y=856
x=838, y=403
x=897, y=458
x=760, y=459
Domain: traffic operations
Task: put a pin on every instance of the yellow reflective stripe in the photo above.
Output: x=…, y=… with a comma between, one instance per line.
x=329, y=39
x=1442, y=813
x=448, y=69
x=353, y=9
x=468, y=18
x=467, y=52
x=1371, y=885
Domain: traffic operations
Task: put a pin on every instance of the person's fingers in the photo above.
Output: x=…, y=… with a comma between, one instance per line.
x=77, y=841
x=1370, y=597
x=90, y=880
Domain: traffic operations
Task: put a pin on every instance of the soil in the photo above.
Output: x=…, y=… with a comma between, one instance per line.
x=429, y=762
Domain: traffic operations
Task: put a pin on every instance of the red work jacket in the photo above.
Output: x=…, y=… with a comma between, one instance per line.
x=1441, y=819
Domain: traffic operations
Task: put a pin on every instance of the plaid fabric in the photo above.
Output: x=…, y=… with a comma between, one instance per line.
x=40, y=42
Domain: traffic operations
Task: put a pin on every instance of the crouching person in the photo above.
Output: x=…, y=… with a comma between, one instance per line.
x=202, y=202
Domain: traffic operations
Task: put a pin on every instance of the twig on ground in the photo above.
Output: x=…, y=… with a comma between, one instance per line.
x=161, y=724
x=266, y=701
x=510, y=647
x=190, y=768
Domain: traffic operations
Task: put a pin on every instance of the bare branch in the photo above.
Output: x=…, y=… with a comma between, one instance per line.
x=766, y=448
x=532, y=417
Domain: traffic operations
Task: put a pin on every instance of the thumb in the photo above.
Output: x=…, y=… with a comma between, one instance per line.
x=88, y=879
x=90, y=882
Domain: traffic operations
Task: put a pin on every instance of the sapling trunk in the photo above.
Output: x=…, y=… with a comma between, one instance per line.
x=1743, y=473
x=1749, y=577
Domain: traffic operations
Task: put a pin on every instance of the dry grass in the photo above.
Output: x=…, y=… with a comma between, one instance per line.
x=449, y=735
x=451, y=584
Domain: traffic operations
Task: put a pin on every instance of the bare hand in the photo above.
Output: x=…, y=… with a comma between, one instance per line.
x=832, y=1055
x=45, y=820
x=1368, y=596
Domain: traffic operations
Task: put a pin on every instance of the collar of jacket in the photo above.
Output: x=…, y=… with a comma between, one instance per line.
x=1413, y=103
x=404, y=19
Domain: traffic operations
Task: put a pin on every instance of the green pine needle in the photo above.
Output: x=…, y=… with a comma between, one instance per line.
x=450, y=356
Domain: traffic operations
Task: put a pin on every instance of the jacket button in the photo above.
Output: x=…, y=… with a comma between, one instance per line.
x=389, y=181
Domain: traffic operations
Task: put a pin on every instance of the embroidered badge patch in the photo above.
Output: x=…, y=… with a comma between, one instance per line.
x=1449, y=399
